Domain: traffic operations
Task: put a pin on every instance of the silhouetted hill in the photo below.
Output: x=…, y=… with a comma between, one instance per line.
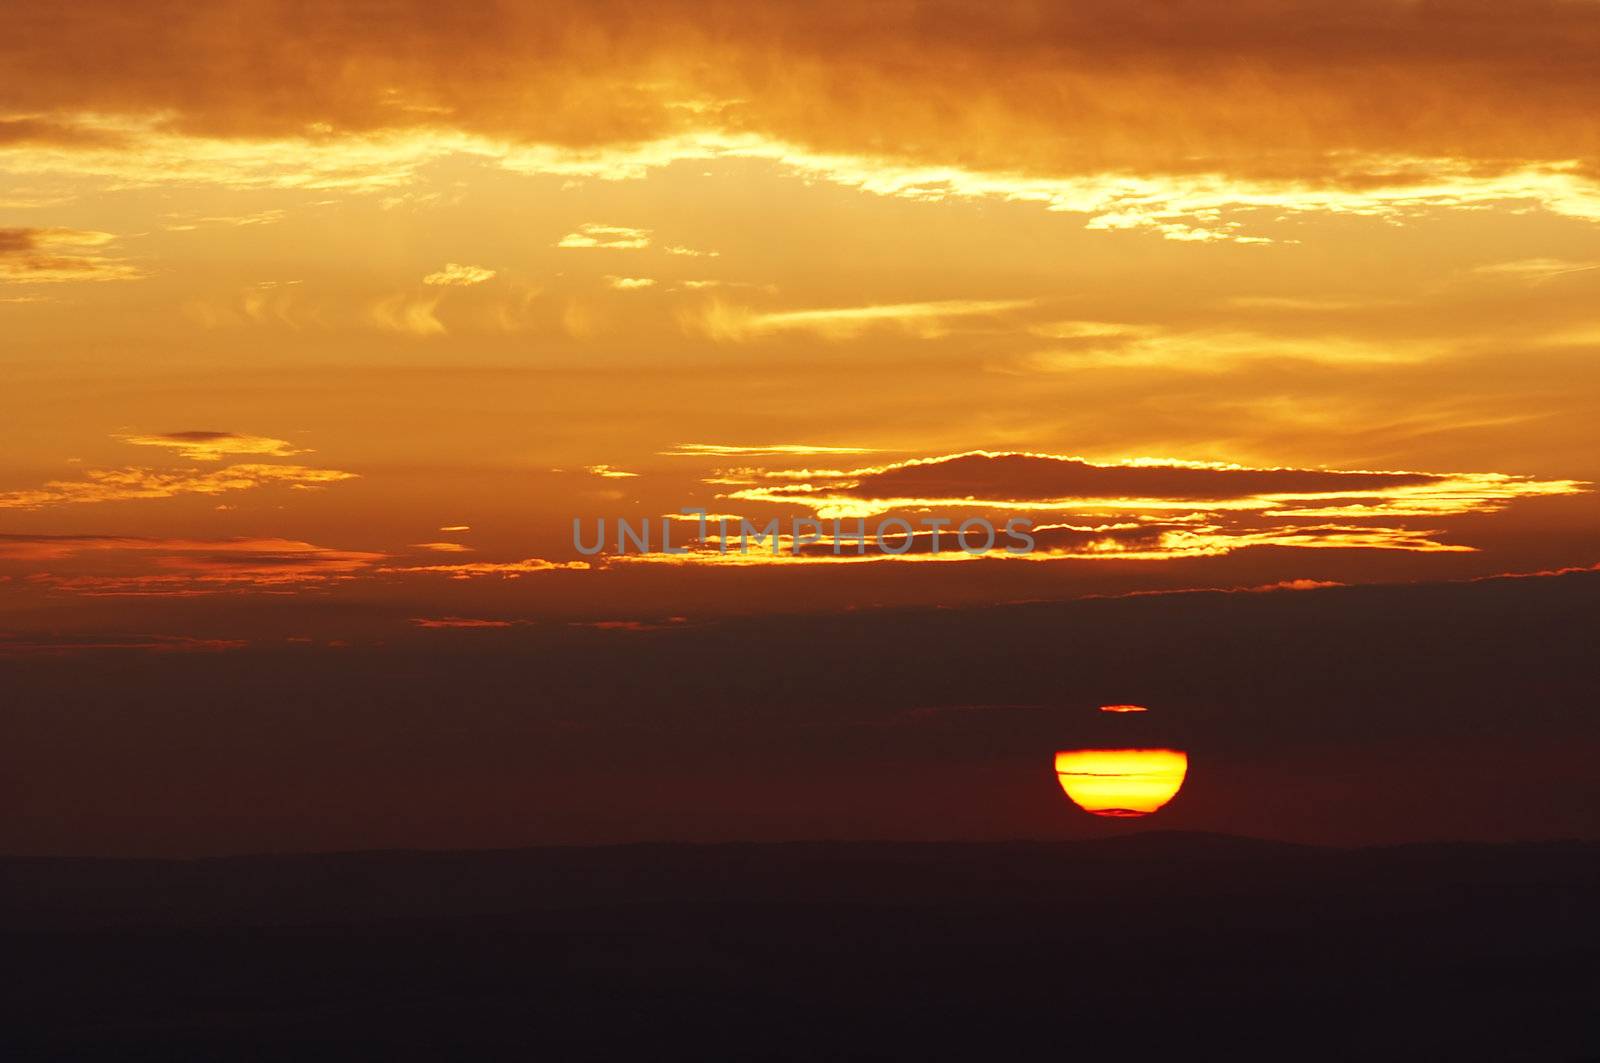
x=1144, y=945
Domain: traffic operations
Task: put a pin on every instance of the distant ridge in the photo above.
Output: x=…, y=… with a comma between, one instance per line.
x=893, y=950
x=380, y=885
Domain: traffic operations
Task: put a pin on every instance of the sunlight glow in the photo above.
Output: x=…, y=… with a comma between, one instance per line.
x=1121, y=782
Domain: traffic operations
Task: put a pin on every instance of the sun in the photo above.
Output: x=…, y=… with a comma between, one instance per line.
x=1121, y=782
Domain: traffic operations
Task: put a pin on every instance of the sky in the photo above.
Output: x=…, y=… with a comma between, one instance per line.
x=323, y=324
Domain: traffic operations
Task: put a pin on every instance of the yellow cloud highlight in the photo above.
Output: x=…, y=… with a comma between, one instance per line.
x=503, y=569
x=730, y=323
x=723, y=450
x=458, y=622
x=457, y=275
x=1099, y=345
x=1107, y=488
x=214, y=446
x=1211, y=541
x=1213, y=205
x=1536, y=270
x=117, y=485
x=612, y=237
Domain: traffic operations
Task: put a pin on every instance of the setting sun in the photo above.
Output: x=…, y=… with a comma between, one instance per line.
x=1121, y=782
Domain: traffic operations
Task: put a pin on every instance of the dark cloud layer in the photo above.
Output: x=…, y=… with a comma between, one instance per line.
x=1083, y=86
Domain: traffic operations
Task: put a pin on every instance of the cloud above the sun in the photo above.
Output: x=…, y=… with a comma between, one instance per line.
x=1151, y=119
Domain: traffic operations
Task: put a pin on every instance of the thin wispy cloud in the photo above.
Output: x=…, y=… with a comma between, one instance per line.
x=140, y=566
x=136, y=483
x=50, y=256
x=725, y=450
x=608, y=237
x=214, y=446
x=457, y=275
x=732, y=323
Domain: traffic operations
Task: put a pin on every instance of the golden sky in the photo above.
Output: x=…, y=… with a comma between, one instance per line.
x=366, y=303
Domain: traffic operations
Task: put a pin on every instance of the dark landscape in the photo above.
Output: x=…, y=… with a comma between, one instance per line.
x=1148, y=945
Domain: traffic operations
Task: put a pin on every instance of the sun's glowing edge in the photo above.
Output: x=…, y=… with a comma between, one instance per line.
x=1121, y=782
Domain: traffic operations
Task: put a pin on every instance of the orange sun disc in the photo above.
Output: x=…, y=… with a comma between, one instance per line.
x=1121, y=782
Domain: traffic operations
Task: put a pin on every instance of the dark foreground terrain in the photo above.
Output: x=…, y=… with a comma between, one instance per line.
x=1146, y=946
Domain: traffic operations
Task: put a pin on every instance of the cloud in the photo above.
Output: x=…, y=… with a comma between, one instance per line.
x=457, y=275
x=669, y=624
x=1298, y=585
x=117, y=485
x=1025, y=482
x=469, y=623
x=1140, y=509
x=1017, y=477
x=727, y=322
x=629, y=284
x=1185, y=121
x=444, y=548
x=1536, y=270
x=608, y=473
x=55, y=547
x=66, y=645
x=137, y=566
x=1110, y=345
x=26, y=131
x=1053, y=543
x=503, y=569
x=613, y=237
x=213, y=446
x=188, y=222
x=408, y=313
x=723, y=450
x=47, y=256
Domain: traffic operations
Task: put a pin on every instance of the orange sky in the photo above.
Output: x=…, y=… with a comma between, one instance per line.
x=367, y=305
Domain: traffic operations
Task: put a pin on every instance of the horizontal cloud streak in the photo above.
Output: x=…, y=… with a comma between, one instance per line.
x=1048, y=482
x=112, y=565
x=119, y=485
x=1150, y=118
x=213, y=446
x=47, y=256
